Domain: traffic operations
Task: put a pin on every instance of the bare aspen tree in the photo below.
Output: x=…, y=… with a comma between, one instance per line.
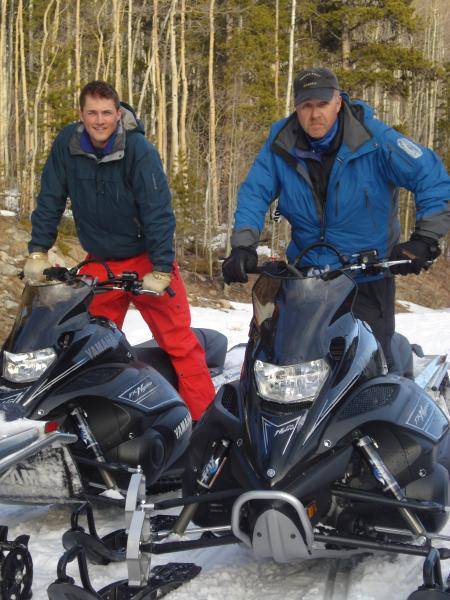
x=26, y=116
x=345, y=36
x=174, y=146
x=214, y=185
x=100, y=38
x=130, y=52
x=17, y=118
x=184, y=91
x=287, y=106
x=44, y=71
x=4, y=94
x=162, y=120
x=277, y=55
x=117, y=18
x=77, y=52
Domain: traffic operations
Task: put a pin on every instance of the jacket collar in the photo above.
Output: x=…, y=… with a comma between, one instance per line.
x=128, y=122
x=354, y=137
x=117, y=151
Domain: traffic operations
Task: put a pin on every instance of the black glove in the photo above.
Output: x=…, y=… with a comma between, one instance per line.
x=420, y=250
x=241, y=261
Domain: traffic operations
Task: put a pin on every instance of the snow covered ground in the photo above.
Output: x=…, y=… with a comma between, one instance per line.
x=232, y=572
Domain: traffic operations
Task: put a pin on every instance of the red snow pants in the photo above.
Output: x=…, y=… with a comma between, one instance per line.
x=169, y=320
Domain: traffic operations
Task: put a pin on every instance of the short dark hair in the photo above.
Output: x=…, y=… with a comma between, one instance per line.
x=99, y=89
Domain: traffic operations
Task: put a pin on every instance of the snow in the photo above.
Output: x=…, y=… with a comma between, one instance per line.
x=233, y=571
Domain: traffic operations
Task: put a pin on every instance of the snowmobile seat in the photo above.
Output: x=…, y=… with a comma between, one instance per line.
x=402, y=355
x=213, y=342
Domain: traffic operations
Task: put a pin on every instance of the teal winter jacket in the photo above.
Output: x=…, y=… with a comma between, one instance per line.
x=121, y=201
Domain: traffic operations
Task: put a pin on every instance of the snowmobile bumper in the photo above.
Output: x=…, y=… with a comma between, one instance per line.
x=275, y=535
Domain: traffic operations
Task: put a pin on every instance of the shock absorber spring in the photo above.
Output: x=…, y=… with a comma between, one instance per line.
x=91, y=443
x=385, y=477
x=208, y=476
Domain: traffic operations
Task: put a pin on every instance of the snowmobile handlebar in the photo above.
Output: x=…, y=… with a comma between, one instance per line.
x=128, y=281
x=366, y=261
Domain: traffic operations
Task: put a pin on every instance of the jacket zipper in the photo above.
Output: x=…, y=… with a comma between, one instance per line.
x=139, y=229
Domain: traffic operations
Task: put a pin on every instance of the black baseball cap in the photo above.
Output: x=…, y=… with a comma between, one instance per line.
x=316, y=83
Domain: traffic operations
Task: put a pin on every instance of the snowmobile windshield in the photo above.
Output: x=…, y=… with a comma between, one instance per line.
x=47, y=311
x=293, y=314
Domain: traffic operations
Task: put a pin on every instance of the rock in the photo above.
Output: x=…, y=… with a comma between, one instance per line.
x=11, y=305
x=6, y=269
x=222, y=303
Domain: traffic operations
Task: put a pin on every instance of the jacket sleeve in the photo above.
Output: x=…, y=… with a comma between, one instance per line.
x=51, y=200
x=419, y=170
x=259, y=189
x=154, y=201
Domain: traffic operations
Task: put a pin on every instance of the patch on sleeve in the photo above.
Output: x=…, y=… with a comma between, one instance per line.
x=409, y=147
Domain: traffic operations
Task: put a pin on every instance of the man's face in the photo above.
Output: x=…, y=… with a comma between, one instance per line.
x=100, y=117
x=318, y=116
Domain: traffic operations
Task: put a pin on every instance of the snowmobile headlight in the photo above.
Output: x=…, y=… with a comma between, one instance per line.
x=27, y=366
x=291, y=383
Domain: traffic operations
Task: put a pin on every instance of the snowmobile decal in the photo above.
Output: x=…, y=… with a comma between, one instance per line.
x=182, y=427
x=105, y=343
x=47, y=384
x=272, y=430
x=138, y=392
x=14, y=398
x=427, y=417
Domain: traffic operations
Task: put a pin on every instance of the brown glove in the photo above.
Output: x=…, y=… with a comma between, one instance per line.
x=34, y=267
x=156, y=281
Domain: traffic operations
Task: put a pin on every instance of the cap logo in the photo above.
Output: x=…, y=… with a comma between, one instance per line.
x=309, y=74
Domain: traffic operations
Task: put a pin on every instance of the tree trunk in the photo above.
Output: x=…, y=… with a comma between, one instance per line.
x=214, y=194
x=25, y=200
x=174, y=146
x=184, y=94
x=130, y=52
x=77, y=52
x=287, y=106
x=345, y=35
x=4, y=96
x=44, y=71
x=117, y=18
x=277, y=57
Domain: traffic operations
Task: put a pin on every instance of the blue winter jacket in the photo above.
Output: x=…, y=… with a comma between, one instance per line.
x=361, y=209
x=121, y=201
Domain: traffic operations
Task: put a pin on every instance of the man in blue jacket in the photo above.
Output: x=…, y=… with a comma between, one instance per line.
x=122, y=210
x=336, y=170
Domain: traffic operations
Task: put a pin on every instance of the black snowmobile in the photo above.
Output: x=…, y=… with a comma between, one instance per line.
x=317, y=451
x=79, y=374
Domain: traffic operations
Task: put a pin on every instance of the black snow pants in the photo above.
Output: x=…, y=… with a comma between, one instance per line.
x=375, y=304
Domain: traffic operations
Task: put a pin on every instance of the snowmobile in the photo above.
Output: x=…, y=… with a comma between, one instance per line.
x=19, y=439
x=317, y=451
x=79, y=374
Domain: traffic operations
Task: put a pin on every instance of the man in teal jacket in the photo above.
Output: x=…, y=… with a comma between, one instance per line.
x=122, y=210
x=336, y=170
